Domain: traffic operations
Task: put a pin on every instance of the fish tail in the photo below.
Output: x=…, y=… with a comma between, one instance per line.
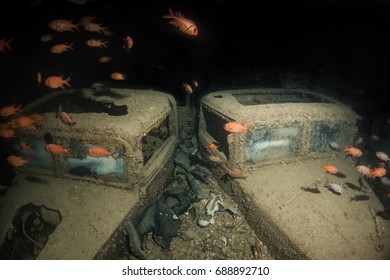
x=7, y=43
x=106, y=31
x=249, y=129
x=67, y=80
x=113, y=155
x=19, y=108
x=76, y=26
x=69, y=151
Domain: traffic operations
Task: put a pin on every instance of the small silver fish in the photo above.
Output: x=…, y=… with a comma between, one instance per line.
x=98, y=86
x=365, y=170
x=383, y=156
x=335, y=187
x=385, y=181
x=358, y=141
x=334, y=146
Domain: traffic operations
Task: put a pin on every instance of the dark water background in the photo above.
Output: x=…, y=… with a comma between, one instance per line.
x=239, y=45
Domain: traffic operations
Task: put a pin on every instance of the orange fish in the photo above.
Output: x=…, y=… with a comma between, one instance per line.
x=236, y=127
x=7, y=133
x=5, y=125
x=187, y=88
x=96, y=43
x=57, y=149
x=24, y=122
x=87, y=19
x=216, y=159
x=16, y=161
x=118, y=76
x=60, y=48
x=38, y=118
x=64, y=117
x=185, y=25
x=57, y=82
x=355, y=152
x=236, y=174
x=96, y=27
x=105, y=59
x=108, y=32
x=330, y=168
x=213, y=145
x=128, y=43
x=378, y=172
x=7, y=111
x=46, y=37
x=98, y=152
x=5, y=44
x=62, y=25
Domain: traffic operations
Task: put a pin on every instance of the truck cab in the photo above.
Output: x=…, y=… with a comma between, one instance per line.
x=283, y=189
x=137, y=129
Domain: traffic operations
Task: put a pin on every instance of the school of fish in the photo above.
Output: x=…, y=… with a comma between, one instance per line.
x=91, y=25
x=380, y=171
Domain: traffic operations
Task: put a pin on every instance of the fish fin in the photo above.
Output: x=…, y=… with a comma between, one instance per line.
x=173, y=22
x=171, y=15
